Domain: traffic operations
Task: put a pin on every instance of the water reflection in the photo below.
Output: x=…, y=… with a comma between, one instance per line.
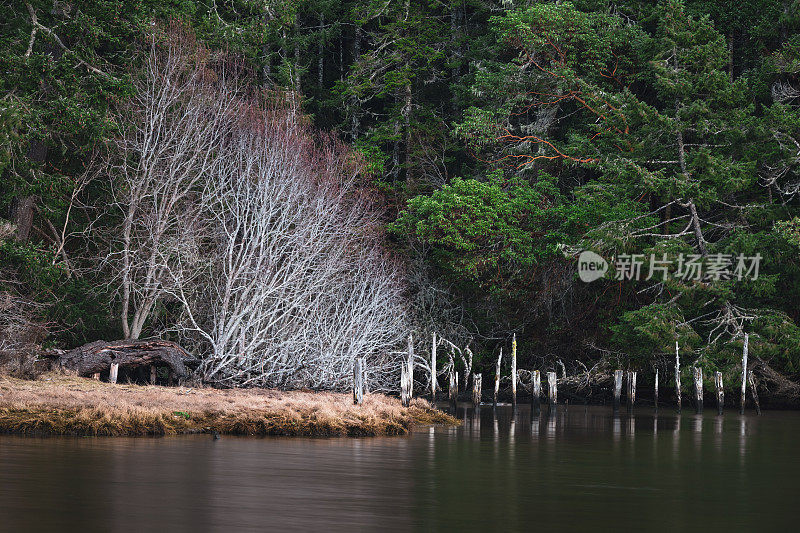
x=571, y=469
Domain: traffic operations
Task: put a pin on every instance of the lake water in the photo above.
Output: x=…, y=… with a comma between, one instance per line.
x=579, y=469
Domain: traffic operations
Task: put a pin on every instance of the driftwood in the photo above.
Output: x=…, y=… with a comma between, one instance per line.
x=99, y=356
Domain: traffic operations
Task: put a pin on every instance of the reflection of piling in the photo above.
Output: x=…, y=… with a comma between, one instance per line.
x=678, y=375
x=720, y=392
x=477, y=381
x=358, y=381
x=744, y=373
x=698, y=388
x=552, y=388
x=497, y=377
x=617, y=388
x=536, y=392
x=753, y=390
x=631, y=389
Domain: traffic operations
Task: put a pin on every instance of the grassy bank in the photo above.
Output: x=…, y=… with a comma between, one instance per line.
x=56, y=404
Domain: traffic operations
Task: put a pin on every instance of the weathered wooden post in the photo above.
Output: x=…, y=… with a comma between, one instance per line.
x=514, y=371
x=112, y=373
x=617, y=388
x=698, y=388
x=410, y=371
x=678, y=375
x=433, y=368
x=536, y=391
x=453, y=390
x=358, y=381
x=753, y=390
x=404, y=400
x=153, y=374
x=720, y=391
x=655, y=394
x=552, y=386
x=744, y=373
x=631, y=389
x=477, y=382
x=497, y=377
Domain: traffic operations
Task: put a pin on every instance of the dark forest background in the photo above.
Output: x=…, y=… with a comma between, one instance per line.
x=500, y=138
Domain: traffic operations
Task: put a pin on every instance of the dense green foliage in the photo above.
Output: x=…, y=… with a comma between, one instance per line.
x=505, y=137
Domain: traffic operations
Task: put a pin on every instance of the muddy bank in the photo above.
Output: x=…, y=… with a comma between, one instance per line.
x=56, y=404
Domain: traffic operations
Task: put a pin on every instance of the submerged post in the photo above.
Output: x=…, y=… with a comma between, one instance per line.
x=552, y=386
x=514, y=371
x=477, y=382
x=655, y=394
x=720, y=391
x=744, y=373
x=358, y=381
x=678, y=375
x=536, y=391
x=112, y=373
x=753, y=390
x=698, y=388
x=433, y=368
x=631, y=389
x=453, y=390
x=617, y=388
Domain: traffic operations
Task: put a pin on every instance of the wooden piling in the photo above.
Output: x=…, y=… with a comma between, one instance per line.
x=720, y=392
x=536, y=391
x=552, y=388
x=112, y=373
x=617, y=388
x=358, y=381
x=744, y=373
x=452, y=392
x=753, y=391
x=514, y=371
x=678, y=375
x=477, y=382
x=434, y=385
x=409, y=372
x=655, y=393
x=153, y=374
x=631, y=389
x=698, y=388
x=497, y=377
x=405, y=398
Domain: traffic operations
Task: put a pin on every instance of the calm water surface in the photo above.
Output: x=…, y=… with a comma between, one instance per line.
x=579, y=469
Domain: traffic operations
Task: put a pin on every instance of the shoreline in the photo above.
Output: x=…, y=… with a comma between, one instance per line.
x=61, y=405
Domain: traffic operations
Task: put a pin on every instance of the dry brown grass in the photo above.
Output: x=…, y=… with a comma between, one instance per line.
x=63, y=405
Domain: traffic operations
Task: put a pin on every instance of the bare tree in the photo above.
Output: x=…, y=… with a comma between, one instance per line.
x=257, y=225
x=296, y=284
x=169, y=145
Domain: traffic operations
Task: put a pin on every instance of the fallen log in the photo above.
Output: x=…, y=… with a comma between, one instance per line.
x=98, y=356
